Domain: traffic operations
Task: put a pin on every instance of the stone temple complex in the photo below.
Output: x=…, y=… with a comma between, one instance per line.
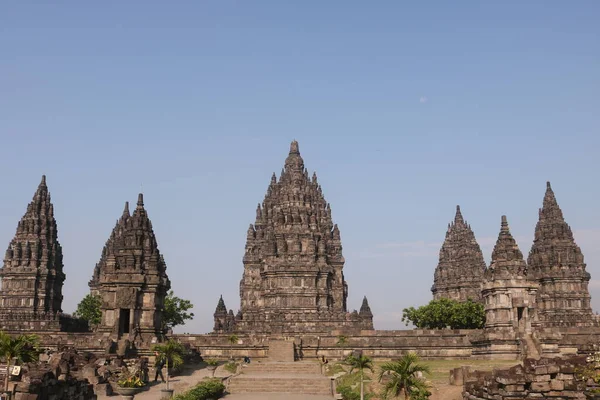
x=293, y=294
x=131, y=279
x=459, y=273
x=293, y=278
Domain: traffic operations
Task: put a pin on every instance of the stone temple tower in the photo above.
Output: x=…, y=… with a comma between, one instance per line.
x=293, y=277
x=509, y=298
x=557, y=263
x=459, y=273
x=509, y=293
x=224, y=321
x=32, y=275
x=131, y=278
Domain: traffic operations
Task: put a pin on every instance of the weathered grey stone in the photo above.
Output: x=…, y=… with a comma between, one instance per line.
x=557, y=263
x=32, y=275
x=293, y=277
x=459, y=273
x=132, y=281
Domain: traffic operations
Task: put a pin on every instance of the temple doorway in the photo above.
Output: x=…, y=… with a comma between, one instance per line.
x=124, y=316
x=521, y=319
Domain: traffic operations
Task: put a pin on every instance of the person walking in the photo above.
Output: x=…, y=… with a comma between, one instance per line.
x=160, y=363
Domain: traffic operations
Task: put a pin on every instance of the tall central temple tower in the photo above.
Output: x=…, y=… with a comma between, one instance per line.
x=293, y=277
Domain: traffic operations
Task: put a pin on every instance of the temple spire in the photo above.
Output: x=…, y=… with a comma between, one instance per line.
x=126, y=210
x=294, y=148
x=504, y=226
x=221, y=305
x=458, y=218
x=550, y=208
x=140, y=202
x=459, y=272
x=557, y=262
x=365, y=310
x=34, y=255
x=507, y=259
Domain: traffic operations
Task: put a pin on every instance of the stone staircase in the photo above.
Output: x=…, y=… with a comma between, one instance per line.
x=281, y=350
x=531, y=348
x=282, y=377
x=280, y=374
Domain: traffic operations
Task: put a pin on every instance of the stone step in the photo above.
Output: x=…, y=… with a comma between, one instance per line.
x=307, y=384
x=281, y=350
x=283, y=368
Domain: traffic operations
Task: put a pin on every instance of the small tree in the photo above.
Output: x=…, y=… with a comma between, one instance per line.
x=89, y=309
x=232, y=339
x=443, y=313
x=172, y=353
x=23, y=348
x=360, y=363
x=176, y=311
x=403, y=378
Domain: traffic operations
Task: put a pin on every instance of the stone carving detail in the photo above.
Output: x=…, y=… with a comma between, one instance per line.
x=459, y=273
x=131, y=277
x=557, y=263
x=293, y=278
x=32, y=274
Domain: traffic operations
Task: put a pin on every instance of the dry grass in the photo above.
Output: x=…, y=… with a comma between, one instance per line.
x=440, y=369
x=440, y=373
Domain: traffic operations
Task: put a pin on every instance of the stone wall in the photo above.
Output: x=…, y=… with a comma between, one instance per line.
x=25, y=321
x=535, y=379
x=429, y=344
x=578, y=340
x=57, y=376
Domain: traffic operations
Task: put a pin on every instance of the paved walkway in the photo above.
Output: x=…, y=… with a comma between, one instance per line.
x=191, y=376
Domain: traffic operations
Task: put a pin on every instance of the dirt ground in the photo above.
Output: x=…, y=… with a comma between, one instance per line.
x=440, y=372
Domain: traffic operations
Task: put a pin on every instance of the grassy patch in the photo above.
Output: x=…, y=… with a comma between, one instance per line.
x=440, y=369
x=349, y=385
x=332, y=369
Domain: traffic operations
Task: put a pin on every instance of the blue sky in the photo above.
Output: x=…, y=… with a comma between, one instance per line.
x=404, y=110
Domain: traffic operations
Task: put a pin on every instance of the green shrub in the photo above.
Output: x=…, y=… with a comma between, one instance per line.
x=212, y=362
x=231, y=367
x=208, y=389
x=351, y=394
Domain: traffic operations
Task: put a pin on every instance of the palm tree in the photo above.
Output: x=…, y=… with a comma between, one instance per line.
x=360, y=363
x=403, y=374
x=171, y=352
x=23, y=348
x=232, y=339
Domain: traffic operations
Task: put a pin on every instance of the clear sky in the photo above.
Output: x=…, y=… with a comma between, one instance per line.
x=404, y=110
